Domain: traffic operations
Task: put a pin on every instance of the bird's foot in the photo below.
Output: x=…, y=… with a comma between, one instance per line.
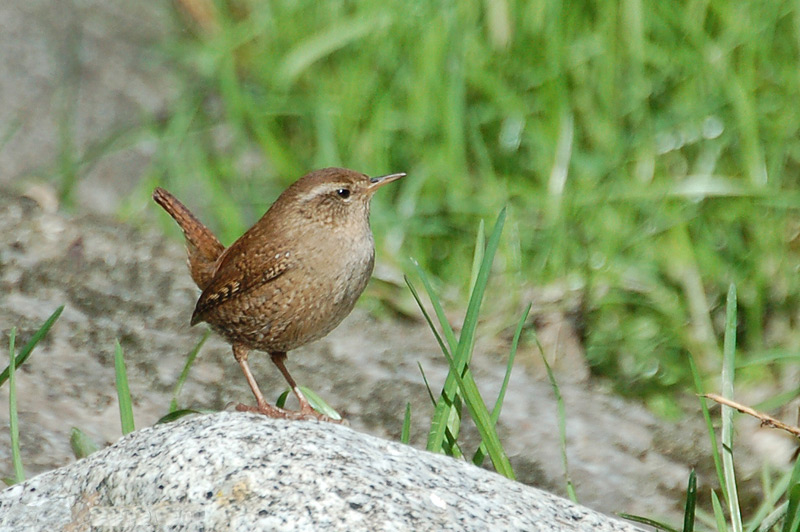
x=282, y=413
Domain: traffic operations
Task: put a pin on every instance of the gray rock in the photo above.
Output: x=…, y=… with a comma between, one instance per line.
x=232, y=471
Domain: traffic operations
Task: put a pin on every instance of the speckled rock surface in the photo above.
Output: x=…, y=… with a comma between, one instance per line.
x=233, y=471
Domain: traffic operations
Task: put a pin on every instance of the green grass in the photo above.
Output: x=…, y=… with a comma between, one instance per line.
x=173, y=404
x=8, y=374
x=459, y=388
x=780, y=506
x=123, y=392
x=562, y=424
x=27, y=349
x=728, y=365
x=648, y=151
x=13, y=420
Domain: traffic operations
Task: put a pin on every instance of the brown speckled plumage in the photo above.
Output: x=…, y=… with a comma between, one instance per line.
x=292, y=277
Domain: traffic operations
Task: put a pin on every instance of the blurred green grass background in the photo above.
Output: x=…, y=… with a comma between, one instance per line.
x=648, y=152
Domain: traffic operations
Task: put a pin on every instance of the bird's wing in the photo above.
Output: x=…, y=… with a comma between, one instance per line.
x=238, y=273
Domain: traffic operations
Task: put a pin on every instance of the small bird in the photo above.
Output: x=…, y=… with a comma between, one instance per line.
x=291, y=278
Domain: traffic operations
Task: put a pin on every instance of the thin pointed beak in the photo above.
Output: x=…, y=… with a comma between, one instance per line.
x=377, y=182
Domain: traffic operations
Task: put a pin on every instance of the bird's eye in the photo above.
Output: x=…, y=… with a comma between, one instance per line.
x=343, y=193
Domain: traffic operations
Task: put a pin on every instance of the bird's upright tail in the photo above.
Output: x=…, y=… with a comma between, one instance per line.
x=202, y=246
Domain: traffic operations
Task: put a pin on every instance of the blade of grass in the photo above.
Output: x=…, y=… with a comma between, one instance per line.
x=480, y=415
x=691, y=503
x=466, y=341
x=452, y=341
x=123, y=392
x=477, y=257
x=446, y=422
x=450, y=446
x=323, y=43
x=173, y=405
x=791, y=522
x=719, y=513
x=772, y=519
x=777, y=401
x=795, y=478
x=480, y=454
x=26, y=351
x=13, y=421
x=82, y=445
x=772, y=492
x=177, y=414
x=728, y=365
x=562, y=422
x=427, y=316
x=427, y=385
x=712, y=435
x=658, y=525
x=405, y=434
x=317, y=402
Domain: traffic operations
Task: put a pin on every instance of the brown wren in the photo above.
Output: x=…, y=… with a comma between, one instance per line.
x=292, y=277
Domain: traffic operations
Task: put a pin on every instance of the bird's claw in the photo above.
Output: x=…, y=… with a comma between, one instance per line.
x=282, y=413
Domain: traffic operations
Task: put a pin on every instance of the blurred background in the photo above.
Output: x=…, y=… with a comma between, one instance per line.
x=648, y=151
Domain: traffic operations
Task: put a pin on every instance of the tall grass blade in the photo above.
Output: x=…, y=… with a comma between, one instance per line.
x=450, y=445
x=691, y=503
x=177, y=414
x=427, y=384
x=712, y=435
x=480, y=454
x=769, y=509
x=463, y=350
x=173, y=405
x=123, y=392
x=658, y=525
x=728, y=365
x=477, y=257
x=480, y=415
x=405, y=434
x=791, y=522
x=771, y=491
x=562, y=423
x=446, y=422
x=719, y=513
x=319, y=45
x=427, y=316
x=466, y=339
x=777, y=401
x=26, y=351
x=772, y=519
x=449, y=335
x=13, y=421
